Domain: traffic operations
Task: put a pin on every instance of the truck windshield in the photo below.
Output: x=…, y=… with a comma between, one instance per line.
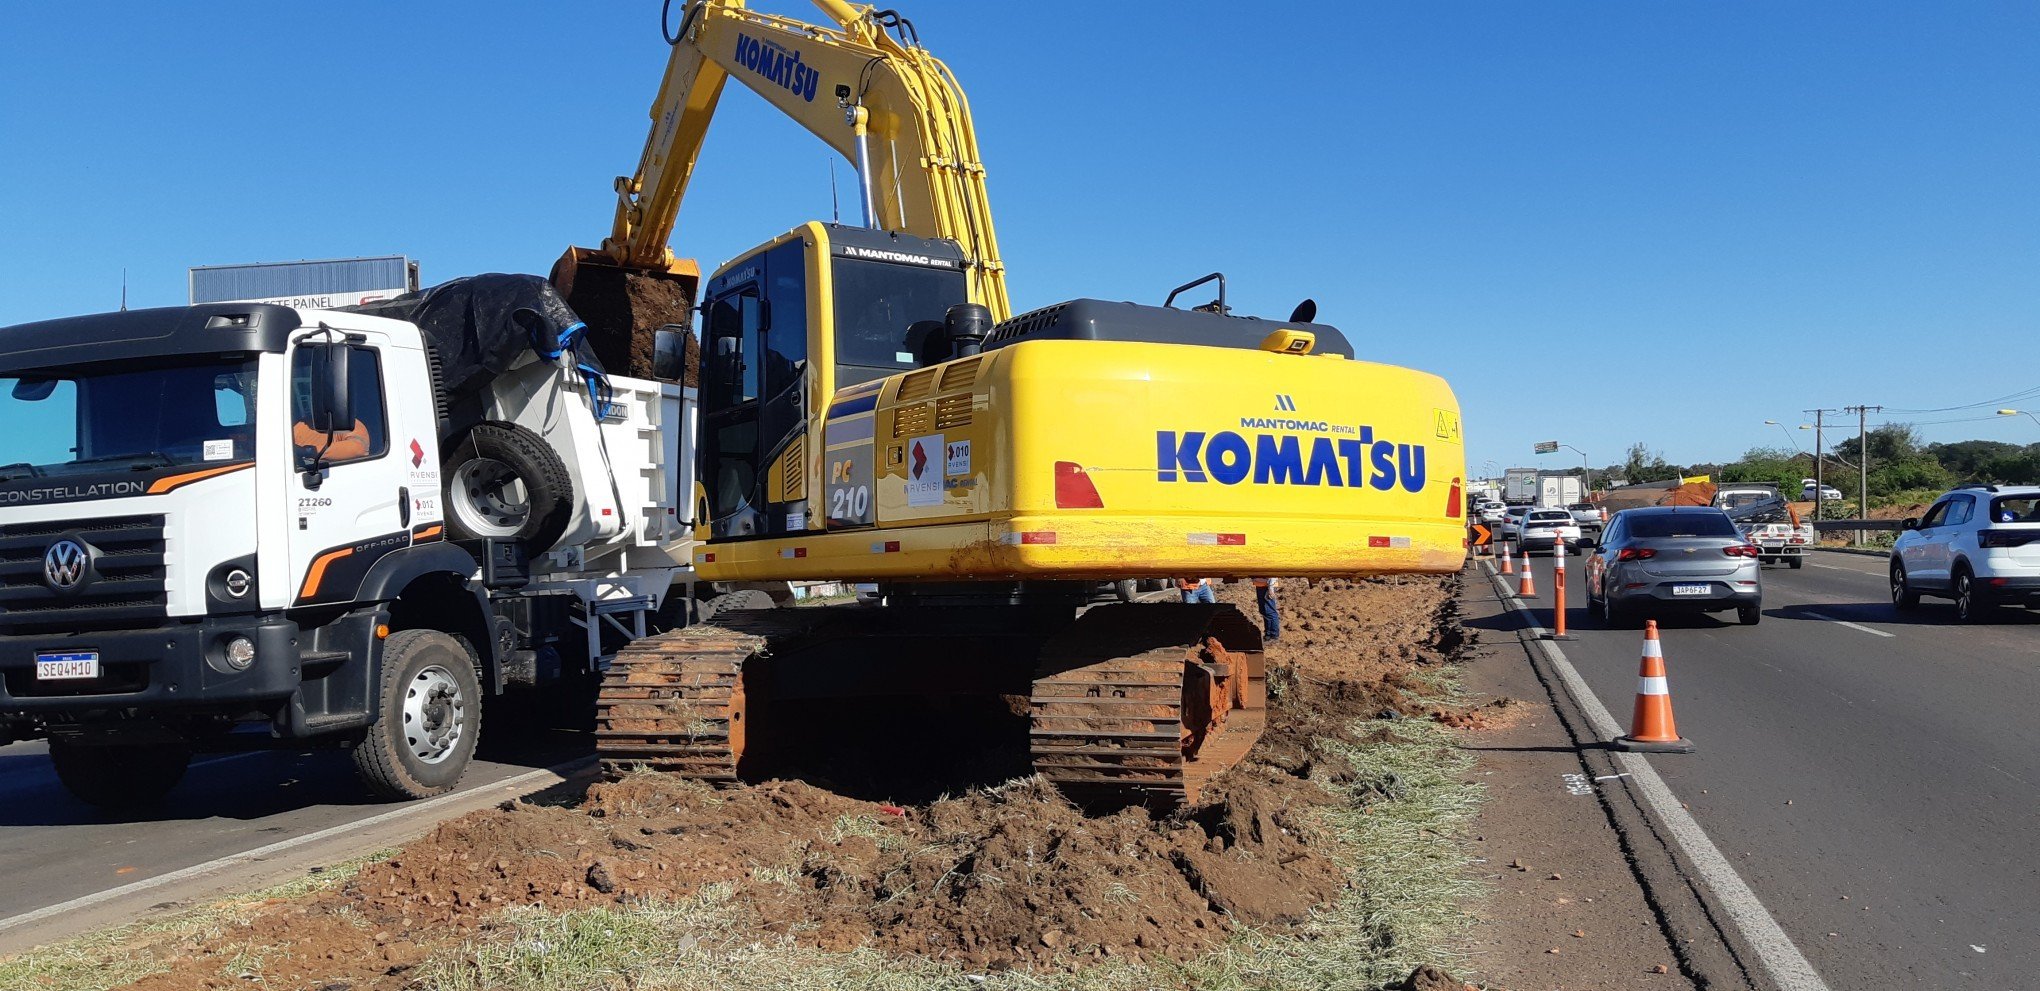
x=74, y=421
x=889, y=316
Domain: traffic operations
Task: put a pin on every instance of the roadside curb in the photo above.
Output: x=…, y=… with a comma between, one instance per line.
x=1712, y=947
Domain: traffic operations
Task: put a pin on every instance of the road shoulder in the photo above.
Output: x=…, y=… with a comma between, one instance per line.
x=1564, y=907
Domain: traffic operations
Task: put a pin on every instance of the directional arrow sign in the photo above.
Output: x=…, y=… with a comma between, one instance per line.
x=1482, y=536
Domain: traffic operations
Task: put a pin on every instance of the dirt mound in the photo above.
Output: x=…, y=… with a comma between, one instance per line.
x=1009, y=876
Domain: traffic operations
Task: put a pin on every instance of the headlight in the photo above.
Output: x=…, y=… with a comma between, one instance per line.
x=240, y=653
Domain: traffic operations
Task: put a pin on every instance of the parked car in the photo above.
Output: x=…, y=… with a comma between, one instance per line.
x=1663, y=558
x=1978, y=546
x=1543, y=528
x=1512, y=522
x=1827, y=493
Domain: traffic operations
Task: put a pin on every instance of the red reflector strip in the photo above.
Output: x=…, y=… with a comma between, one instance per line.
x=793, y=552
x=1377, y=541
x=606, y=511
x=888, y=547
x=1073, y=488
x=1232, y=540
x=708, y=558
x=1037, y=537
x=1216, y=539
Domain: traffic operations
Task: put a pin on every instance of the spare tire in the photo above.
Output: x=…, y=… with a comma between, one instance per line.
x=505, y=482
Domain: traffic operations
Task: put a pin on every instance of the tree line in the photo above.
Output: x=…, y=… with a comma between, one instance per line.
x=1899, y=462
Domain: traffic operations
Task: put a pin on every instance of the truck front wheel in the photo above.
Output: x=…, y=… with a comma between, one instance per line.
x=428, y=717
x=119, y=775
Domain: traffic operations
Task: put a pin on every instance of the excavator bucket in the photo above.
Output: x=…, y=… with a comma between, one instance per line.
x=625, y=307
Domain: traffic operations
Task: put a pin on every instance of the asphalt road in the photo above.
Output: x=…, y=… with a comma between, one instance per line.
x=54, y=848
x=1873, y=775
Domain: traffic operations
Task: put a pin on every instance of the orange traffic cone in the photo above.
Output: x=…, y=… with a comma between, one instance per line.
x=1651, y=729
x=1509, y=558
x=1527, y=589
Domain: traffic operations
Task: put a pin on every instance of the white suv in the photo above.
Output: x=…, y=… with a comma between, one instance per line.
x=1979, y=546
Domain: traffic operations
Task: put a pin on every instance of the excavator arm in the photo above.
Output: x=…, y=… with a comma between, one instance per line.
x=878, y=98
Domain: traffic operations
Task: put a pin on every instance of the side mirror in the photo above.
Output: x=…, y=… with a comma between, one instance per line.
x=34, y=390
x=1909, y=523
x=669, y=353
x=332, y=399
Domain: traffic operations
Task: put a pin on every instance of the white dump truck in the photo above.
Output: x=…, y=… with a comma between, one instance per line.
x=236, y=515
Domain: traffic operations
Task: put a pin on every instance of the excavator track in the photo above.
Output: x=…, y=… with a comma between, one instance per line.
x=677, y=702
x=1146, y=703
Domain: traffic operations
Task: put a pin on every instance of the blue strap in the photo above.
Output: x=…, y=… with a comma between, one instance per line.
x=599, y=392
x=566, y=342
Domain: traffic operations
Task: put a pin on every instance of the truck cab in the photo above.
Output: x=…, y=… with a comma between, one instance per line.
x=225, y=526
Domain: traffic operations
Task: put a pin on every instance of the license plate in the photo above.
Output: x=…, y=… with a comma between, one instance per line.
x=1692, y=589
x=61, y=667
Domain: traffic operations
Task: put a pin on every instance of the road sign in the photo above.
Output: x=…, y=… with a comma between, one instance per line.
x=1482, y=536
x=1546, y=447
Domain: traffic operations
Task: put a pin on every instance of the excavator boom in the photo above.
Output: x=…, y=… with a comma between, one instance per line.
x=864, y=86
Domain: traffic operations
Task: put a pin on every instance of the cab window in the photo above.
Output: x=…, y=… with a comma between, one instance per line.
x=369, y=436
x=1935, y=516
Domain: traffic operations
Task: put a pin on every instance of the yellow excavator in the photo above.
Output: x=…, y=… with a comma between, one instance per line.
x=871, y=411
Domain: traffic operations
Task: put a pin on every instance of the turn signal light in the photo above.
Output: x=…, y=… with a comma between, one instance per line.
x=1635, y=554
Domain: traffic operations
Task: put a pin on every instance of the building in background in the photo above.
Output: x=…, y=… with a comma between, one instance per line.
x=309, y=284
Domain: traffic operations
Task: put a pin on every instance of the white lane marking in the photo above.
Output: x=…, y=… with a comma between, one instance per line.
x=1788, y=967
x=228, y=757
x=247, y=856
x=1844, y=622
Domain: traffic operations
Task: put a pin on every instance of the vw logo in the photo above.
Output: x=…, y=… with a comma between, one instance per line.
x=64, y=564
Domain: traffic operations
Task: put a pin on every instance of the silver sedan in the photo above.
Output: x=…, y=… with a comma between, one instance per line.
x=1673, y=558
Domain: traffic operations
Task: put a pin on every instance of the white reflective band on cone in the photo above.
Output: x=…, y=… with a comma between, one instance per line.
x=1652, y=686
x=1651, y=648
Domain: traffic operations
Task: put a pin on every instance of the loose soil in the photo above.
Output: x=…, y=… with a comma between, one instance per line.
x=1002, y=877
x=624, y=311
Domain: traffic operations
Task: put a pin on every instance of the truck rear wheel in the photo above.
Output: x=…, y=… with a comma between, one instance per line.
x=428, y=717
x=504, y=481
x=119, y=776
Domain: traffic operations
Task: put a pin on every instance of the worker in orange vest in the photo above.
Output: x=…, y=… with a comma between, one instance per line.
x=1271, y=621
x=1196, y=590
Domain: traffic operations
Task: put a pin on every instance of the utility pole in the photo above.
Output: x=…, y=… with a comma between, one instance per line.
x=1819, y=458
x=1862, y=463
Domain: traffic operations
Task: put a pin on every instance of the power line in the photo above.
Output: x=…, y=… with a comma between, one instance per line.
x=2012, y=397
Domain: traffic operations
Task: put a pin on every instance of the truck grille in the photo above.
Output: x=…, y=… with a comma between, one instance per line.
x=125, y=586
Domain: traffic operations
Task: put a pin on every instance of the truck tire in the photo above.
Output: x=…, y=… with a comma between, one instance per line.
x=119, y=776
x=1127, y=589
x=428, y=717
x=1795, y=562
x=504, y=481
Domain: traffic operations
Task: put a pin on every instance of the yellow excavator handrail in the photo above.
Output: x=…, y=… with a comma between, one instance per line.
x=855, y=81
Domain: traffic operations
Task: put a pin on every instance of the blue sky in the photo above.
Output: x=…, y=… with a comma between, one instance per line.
x=1603, y=223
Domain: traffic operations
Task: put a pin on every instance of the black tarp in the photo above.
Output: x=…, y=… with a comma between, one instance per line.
x=481, y=325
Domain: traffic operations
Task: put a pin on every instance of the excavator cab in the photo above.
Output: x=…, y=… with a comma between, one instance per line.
x=784, y=329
